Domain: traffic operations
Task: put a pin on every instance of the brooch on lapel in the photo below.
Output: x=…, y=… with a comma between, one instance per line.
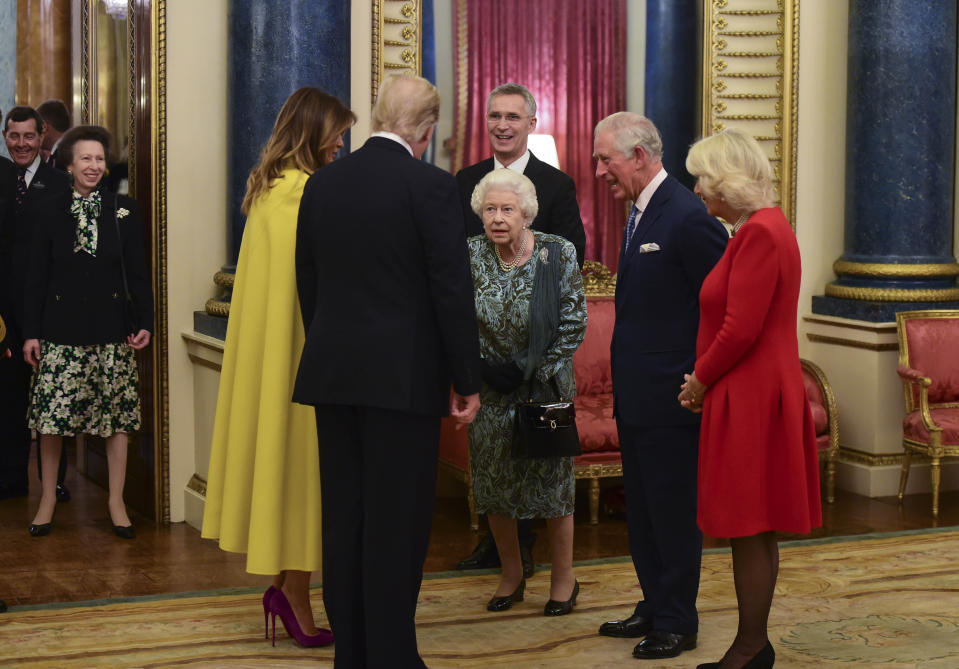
x=650, y=247
x=544, y=255
x=121, y=212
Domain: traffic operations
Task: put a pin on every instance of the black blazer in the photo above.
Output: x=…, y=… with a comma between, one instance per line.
x=657, y=306
x=16, y=235
x=385, y=287
x=75, y=298
x=555, y=191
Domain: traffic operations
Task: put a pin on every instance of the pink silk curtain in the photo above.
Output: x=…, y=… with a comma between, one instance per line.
x=571, y=54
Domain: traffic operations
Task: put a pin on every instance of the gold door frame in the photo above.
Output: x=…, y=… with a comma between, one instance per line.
x=397, y=27
x=751, y=80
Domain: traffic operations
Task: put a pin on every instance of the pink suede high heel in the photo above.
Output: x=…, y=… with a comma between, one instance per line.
x=266, y=610
x=280, y=606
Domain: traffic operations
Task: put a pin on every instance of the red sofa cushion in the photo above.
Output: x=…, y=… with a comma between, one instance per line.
x=591, y=360
x=947, y=419
x=595, y=423
x=932, y=351
x=817, y=404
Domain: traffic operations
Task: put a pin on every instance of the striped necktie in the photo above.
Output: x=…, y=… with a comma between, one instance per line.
x=631, y=225
x=21, y=185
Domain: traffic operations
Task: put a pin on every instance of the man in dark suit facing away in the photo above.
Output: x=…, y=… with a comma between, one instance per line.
x=386, y=292
x=669, y=246
x=510, y=118
x=33, y=187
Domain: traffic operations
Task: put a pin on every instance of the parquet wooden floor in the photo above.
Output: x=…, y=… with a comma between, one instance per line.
x=83, y=560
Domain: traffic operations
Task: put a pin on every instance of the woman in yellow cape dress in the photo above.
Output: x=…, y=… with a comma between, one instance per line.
x=263, y=488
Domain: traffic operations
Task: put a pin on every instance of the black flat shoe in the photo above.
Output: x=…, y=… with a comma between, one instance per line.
x=764, y=659
x=631, y=628
x=40, y=530
x=506, y=603
x=125, y=532
x=554, y=608
x=484, y=556
x=659, y=645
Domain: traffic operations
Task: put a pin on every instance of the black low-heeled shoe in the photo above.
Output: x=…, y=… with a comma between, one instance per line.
x=125, y=532
x=764, y=659
x=505, y=603
x=41, y=530
x=554, y=608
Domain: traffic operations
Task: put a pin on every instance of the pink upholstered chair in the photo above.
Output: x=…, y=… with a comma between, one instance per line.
x=825, y=415
x=929, y=369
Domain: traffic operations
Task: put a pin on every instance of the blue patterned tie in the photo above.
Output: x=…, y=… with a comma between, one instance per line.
x=631, y=225
x=21, y=185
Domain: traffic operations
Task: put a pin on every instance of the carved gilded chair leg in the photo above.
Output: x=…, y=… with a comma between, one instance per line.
x=831, y=477
x=935, y=469
x=906, y=460
x=594, y=501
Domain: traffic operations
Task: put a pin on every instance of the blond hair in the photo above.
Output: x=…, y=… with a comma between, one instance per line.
x=732, y=166
x=306, y=128
x=406, y=105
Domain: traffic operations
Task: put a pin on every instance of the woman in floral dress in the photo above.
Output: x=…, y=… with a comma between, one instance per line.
x=505, y=263
x=77, y=333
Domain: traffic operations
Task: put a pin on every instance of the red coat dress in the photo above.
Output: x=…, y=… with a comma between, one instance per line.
x=758, y=464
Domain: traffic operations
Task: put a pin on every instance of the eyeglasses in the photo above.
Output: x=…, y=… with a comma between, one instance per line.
x=513, y=119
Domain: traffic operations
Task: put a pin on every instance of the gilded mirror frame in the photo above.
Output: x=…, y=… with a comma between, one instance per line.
x=146, y=68
x=751, y=80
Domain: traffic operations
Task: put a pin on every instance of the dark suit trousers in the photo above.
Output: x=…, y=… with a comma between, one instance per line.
x=378, y=472
x=659, y=473
x=14, y=433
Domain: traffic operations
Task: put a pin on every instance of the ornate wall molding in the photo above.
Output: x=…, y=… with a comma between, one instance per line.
x=397, y=47
x=751, y=80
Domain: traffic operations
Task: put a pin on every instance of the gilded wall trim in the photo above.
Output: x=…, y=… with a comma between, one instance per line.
x=852, y=343
x=892, y=294
x=397, y=47
x=751, y=80
x=853, y=456
x=888, y=269
x=197, y=485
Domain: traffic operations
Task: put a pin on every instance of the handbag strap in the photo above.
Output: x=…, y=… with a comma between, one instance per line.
x=123, y=268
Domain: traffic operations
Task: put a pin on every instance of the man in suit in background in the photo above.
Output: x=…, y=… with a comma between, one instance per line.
x=56, y=121
x=35, y=186
x=510, y=118
x=669, y=246
x=386, y=292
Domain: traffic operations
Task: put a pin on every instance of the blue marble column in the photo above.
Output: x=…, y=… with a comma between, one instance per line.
x=900, y=163
x=673, y=54
x=8, y=59
x=277, y=46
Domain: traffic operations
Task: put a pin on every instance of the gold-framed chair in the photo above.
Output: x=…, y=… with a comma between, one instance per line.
x=929, y=369
x=825, y=413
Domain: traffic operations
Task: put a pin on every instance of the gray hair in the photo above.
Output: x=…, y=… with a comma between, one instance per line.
x=406, y=105
x=505, y=179
x=630, y=130
x=513, y=89
x=731, y=165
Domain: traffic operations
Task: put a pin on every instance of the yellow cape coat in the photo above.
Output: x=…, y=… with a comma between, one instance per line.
x=263, y=490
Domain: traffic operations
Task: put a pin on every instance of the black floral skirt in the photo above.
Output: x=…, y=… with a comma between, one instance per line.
x=85, y=389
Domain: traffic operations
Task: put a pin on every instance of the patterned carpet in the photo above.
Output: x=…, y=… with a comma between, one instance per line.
x=889, y=601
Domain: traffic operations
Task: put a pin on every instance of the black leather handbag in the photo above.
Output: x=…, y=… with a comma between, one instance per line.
x=545, y=430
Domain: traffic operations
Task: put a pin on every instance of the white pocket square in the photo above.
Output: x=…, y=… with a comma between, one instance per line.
x=650, y=247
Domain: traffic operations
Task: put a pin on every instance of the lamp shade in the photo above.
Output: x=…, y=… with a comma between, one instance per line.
x=544, y=148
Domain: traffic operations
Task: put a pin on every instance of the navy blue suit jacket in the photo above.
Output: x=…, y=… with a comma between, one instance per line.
x=657, y=306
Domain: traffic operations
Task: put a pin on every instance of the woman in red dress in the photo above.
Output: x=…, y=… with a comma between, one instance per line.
x=758, y=465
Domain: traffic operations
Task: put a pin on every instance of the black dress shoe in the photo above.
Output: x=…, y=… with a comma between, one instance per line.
x=526, y=555
x=63, y=494
x=764, y=659
x=659, y=645
x=3, y=606
x=554, y=608
x=40, y=530
x=631, y=628
x=125, y=532
x=484, y=556
x=505, y=603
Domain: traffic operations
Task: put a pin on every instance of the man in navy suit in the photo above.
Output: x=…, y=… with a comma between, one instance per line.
x=669, y=246
x=386, y=291
x=34, y=187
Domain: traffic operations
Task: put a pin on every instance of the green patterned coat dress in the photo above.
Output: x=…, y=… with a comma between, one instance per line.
x=503, y=485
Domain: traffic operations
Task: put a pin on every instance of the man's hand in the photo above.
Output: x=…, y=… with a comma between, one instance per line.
x=464, y=409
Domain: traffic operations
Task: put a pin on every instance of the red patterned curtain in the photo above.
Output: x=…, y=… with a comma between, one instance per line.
x=572, y=55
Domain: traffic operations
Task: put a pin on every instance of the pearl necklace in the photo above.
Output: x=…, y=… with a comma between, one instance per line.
x=512, y=264
x=740, y=222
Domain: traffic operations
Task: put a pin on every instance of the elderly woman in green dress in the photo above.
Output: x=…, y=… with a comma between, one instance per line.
x=506, y=262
